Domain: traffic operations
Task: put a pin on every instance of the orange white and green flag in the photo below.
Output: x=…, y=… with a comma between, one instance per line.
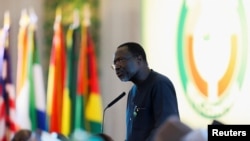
x=30, y=101
x=22, y=83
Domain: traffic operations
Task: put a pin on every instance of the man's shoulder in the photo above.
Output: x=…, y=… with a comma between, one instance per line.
x=160, y=76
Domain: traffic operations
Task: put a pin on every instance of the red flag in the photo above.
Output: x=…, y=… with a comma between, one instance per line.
x=56, y=80
x=88, y=95
x=94, y=103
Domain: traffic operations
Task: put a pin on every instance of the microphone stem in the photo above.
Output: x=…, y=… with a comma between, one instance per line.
x=109, y=105
x=103, y=119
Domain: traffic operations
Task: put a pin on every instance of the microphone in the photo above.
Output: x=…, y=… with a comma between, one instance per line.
x=115, y=100
x=110, y=104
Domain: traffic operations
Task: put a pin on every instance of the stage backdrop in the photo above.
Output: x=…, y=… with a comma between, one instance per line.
x=203, y=46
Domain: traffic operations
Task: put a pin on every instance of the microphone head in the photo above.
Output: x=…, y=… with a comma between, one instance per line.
x=122, y=94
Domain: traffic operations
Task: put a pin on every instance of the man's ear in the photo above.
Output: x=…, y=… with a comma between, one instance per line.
x=139, y=58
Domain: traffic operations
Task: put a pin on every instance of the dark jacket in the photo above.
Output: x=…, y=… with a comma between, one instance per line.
x=149, y=105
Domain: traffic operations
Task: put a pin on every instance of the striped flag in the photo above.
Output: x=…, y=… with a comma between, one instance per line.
x=73, y=46
x=37, y=104
x=82, y=85
x=56, y=78
x=22, y=83
x=94, y=104
x=2, y=115
x=8, y=125
x=87, y=85
x=72, y=42
x=30, y=85
x=66, y=100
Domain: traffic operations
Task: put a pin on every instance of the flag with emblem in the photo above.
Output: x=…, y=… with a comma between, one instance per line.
x=88, y=83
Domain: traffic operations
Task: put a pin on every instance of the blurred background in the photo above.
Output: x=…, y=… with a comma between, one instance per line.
x=201, y=45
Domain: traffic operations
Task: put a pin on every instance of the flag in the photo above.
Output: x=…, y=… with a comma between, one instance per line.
x=87, y=85
x=8, y=125
x=22, y=83
x=56, y=77
x=37, y=105
x=30, y=85
x=72, y=42
x=82, y=85
x=66, y=101
x=94, y=104
x=2, y=115
x=8, y=93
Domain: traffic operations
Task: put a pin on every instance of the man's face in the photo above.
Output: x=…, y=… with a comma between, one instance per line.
x=125, y=64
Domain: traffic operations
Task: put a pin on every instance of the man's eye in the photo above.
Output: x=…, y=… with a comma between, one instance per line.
x=120, y=60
